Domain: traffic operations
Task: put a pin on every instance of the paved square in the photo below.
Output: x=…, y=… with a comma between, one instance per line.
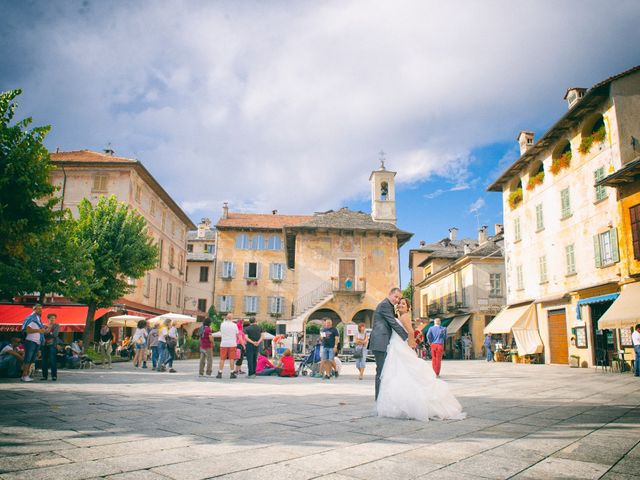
x=524, y=421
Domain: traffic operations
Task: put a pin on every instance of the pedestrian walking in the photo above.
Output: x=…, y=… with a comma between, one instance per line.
x=171, y=339
x=254, y=339
x=361, y=341
x=140, y=343
x=152, y=344
x=228, y=345
x=635, y=339
x=49, y=350
x=163, y=351
x=467, y=344
x=34, y=331
x=488, y=343
x=206, y=347
x=436, y=336
x=105, y=340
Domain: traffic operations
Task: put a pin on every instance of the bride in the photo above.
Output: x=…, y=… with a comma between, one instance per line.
x=408, y=387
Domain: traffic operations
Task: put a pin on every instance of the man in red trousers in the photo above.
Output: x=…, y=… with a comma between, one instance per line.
x=436, y=336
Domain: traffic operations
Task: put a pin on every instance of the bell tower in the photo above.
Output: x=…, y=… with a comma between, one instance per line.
x=383, y=194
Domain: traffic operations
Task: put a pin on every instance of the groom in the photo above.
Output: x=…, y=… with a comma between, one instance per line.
x=383, y=321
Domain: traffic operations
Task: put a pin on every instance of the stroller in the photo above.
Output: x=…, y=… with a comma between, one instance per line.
x=310, y=365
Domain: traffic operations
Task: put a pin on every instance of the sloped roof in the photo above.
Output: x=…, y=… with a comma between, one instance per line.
x=260, y=221
x=89, y=158
x=592, y=98
x=208, y=235
x=345, y=219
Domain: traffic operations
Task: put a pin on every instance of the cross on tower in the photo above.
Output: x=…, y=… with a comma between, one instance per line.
x=382, y=154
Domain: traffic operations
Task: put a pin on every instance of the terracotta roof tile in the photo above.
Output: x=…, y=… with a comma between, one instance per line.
x=261, y=221
x=88, y=156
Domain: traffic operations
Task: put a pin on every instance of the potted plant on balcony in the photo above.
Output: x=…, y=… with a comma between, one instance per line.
x=515, y=198
x=597, y=136
x=562, y=162
x=535, y=180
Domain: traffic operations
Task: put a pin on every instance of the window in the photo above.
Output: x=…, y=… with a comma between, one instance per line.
x=158, y=292
x=539, y=217
x=228, y=270
x=250, y=304
x=152, y=208
x=276, y=271
x=571, y=259
x=384, y=191
x=242, y=241
x=496, y=285
x=519, y=278
x=146, y=288
x=99, y=183
x=275, y=242
x=164, y=220
x=257, y=242
x=160, y=253
x=169, y=293
x=517, y=234
x=565, y=204
x=190, y=248
x=634, y=213
x=202, y=304
x=601, y=191
x=178, y=297
x=251, y=270
x=172, y=254
x=204, y=274
x=225, y=302
x=542, y=262
x=605, y=246
x=173, y=228
x=208, y=247
x=181, y=263
x=276, y=305
x=138, y=195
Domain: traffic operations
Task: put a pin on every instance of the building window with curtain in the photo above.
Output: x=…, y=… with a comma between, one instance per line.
x=250, y=304
x=605, y=246
x=228, y=270
x=276, y=305
x=276, y=272
x=601, y=191
x=571, y=259
x=495, y=280
x=225, y=303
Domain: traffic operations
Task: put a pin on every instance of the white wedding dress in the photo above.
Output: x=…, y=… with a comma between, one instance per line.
x=409, y=387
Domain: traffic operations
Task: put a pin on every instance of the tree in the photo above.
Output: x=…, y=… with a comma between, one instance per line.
x=268, y=327
x=26, y=195
x=120, y=248
x=216, y=318
x=58, y=262
x=408, y=292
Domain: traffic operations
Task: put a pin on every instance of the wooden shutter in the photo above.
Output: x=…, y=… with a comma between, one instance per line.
x=246, y=270
x=597, y=255
x=258, y=270
x=565, y=203
x=615, y=253
x=270, y=304
x=272, y=269
x=634, y=213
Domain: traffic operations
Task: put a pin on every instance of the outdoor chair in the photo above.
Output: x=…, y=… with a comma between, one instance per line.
x=602, y=360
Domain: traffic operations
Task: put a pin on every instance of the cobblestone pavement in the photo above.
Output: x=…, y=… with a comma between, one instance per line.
x=525, y=421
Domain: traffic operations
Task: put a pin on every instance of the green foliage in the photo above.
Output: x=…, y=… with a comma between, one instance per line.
x=216, y=318
x=119, y=247
x=269, y=327
x=26, y=195
x=408, y=292
x=192, y=345
x=312, y=329
x=515, y=198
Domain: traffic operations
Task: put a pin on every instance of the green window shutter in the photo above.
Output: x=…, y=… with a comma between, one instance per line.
x=615, y=253
x=565, y=203
x=596, y=251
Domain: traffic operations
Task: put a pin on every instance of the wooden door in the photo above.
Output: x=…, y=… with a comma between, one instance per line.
x=347, y=269
x=558, y=345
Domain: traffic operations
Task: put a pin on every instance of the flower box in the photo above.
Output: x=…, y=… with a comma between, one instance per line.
x=515, y=198
x=560, y=163
x=535, y=180
x=596, y=137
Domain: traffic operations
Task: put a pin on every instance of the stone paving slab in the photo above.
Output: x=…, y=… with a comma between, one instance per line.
x=524, y=421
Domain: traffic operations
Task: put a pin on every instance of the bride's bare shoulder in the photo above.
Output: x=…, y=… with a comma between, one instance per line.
x=405, y=319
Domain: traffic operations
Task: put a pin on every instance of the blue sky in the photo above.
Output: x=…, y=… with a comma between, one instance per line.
x=285, y=105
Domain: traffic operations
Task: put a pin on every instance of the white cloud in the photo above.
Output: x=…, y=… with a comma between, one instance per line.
x=280, y=105
x=477, y=205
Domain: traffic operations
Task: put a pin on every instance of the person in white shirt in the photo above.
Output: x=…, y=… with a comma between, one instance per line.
x=228, y=344
x=11, y=359
x=635, y=339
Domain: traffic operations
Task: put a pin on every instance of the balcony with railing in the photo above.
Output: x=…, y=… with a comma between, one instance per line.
x=349, y=286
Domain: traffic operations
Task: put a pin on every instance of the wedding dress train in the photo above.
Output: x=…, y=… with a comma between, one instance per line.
x=409, y=387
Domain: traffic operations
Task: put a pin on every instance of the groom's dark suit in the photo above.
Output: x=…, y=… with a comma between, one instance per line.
x=383, y=321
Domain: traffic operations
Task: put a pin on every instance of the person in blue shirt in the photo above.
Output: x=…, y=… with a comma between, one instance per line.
x=487, y=347
x=436, y=336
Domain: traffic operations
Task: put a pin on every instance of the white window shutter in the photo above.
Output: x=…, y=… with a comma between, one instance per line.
x=258, y=270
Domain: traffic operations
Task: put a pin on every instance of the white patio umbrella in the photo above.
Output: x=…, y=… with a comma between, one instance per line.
x=177, y=318
x=124, y=321
x=267, y=335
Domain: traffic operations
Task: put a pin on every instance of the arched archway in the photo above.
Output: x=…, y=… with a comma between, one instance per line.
x=364, y=316
x=311, y=335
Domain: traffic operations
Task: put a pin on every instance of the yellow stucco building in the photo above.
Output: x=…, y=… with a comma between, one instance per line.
x=291, y=269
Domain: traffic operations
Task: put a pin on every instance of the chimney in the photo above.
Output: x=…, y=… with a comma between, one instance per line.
x=225, y=210
x=525, y=140
x=422, y=243
x=574, y=95
x=274, y=212
x=467, y=249
x=203, y=226
x=482, y=235
x=498, y=228
x=453, y=234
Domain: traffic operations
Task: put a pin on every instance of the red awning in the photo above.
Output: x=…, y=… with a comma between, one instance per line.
x=70, y=317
